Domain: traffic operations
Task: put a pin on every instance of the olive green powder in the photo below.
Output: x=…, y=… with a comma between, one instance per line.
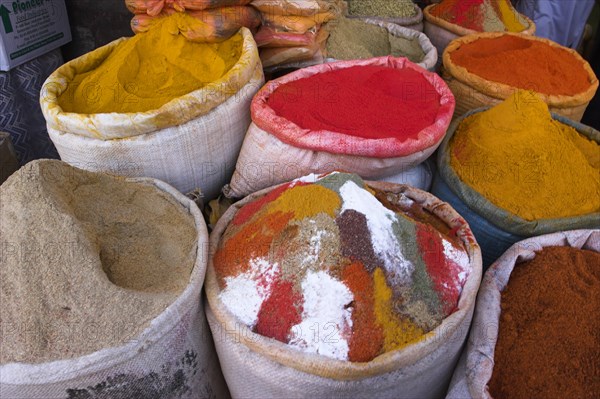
x=354, y=39
x=382, y=8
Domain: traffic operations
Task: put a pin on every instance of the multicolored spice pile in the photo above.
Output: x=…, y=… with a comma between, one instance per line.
x=481, y=15
x=331, y=266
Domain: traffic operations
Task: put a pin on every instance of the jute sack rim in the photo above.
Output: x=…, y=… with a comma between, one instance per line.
x=461, y=30
x=481, y=346
x=498, y=216
x=502, y=91
x=345, y=370
x=431, y=54
x=338, y=143
x=402, y=21
x=66, y=369
x=108, y=126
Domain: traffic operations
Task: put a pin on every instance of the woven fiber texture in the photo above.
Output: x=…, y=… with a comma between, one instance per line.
x=176, y=341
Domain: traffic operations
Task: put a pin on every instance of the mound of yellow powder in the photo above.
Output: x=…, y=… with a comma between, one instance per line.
x=525, y=162
x=150, y=69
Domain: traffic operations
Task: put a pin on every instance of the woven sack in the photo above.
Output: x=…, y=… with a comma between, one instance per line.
x=276, y=150
x=472, y=91
x=476, y=365
x=442, y=32
x=190, y=142
x=173, y=357
x=431, y=55
x=258, y=367
x=495, y=228
x=415, y=22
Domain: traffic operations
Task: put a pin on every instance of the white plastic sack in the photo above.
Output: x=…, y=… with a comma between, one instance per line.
x=191, y=142
x=476, y=365
x=258, y=367
x=174, y=357
x=419, y=177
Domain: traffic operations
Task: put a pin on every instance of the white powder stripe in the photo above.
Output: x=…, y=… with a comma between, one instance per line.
x=325, y=318
x=380, y=221
x=245, y=293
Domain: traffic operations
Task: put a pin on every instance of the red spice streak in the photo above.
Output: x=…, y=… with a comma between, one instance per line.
x=367, y=336
x=247, y=211
x=466, y=13
x=441, y=270
x=252, y=241
x=363, y=101
x=280, y=311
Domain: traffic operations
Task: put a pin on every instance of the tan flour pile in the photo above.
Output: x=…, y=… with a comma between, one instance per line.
x=87, y=260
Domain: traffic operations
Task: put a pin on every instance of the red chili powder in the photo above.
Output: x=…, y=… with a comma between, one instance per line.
x=549, y=335
x=466, y=13
x=442, y=271
x=252, y=241
x=367, y=337
x=364, y=101
x=247, y=211
x=280, y=311
x=525, y=64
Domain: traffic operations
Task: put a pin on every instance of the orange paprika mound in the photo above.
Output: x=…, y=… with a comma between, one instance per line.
x=524, y=64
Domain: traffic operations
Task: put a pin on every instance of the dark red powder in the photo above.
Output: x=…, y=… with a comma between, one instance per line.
x=363, y=101
x=442, y=271
x=280, y=311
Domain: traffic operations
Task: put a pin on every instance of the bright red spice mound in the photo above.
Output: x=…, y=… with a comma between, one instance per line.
x=280, y=311
x=364, y=101
x=525, y=64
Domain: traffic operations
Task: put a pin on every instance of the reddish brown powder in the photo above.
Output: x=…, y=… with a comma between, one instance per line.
x=549, y=338
x=525, y=64
x=366, y=341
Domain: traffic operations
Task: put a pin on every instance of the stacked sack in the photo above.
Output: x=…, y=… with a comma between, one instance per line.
x=217, y=20
x=292, y=32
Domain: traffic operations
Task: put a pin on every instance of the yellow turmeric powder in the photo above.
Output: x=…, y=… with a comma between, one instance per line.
x=525, y=162
x=307, y=201
x=146, y=71
x=398, y=332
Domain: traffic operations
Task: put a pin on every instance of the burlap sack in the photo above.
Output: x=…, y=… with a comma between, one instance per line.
x=190, y=142
x=495, y=228
x=276, y=150
x=258, y=367
x=476, y=365
x=174, y=355
x=472, y=91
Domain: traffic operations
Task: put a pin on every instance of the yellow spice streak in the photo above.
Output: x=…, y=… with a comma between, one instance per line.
x=510, y=17
x=150, y=69
x=398, y=332
x=522, y=160
x=307, y=201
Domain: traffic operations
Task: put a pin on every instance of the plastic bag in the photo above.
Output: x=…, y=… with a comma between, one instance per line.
x=218, y=24
x=299, y=7
x=286, y=55
x=269, y=37
x=296, y=24
x=155, y=7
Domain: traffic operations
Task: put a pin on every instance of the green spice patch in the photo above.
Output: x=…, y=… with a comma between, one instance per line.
x=382, y=8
